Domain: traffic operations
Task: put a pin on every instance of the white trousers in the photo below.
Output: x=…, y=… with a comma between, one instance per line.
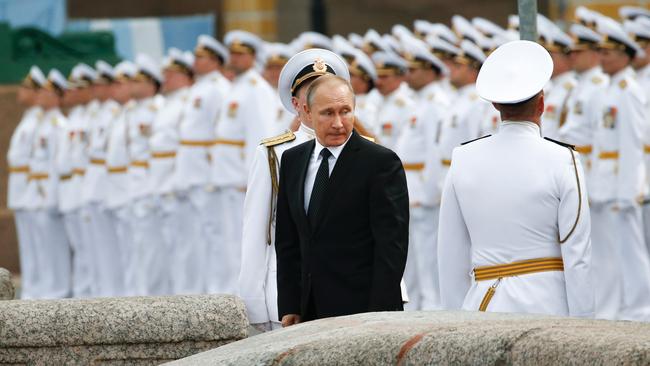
x=646, y=225
x=188, y=252
x=222, y=229
x=426, y=232
x=149, y=253
x=620, y=262
x=82, y=276
x=412, y=275
x=29, y=273
x=53, y=255
x=106, y=251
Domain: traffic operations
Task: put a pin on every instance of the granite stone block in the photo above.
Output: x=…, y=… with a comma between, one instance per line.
x=440, y=338
x=7, y=290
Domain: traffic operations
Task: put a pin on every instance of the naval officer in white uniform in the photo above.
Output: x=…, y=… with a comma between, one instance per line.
x=257, y=278
x=514, y=211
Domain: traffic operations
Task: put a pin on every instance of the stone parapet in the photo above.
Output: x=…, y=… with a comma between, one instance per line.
x=132, y=330
x=440, y=338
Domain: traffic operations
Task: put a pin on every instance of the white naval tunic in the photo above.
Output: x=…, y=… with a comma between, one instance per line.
x=643, y=78
x=257, y=277
x=415, y=143
x=463, y=123
x=191, y=207
x=618, y=183
x=18, y=157
x=97, y=230
x=578, y=129
x=556, y=104
x=507, y=198
x=51, y=243
x=247, y=116
x=394, y=112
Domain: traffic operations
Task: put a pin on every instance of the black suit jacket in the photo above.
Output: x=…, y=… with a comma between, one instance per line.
x=352, y=261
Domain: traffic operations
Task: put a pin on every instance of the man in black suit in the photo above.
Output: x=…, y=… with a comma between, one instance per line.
x=342, y=216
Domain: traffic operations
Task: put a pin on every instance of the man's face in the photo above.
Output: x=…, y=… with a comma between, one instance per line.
x=613, y=61
x=387, y=84
x=48, y=99
x=561, y=63
x=641, y=62
x=299, y=101
x=143, y=89
x=204, y=64
x=26, y=96
x=418, y=78
x=174, y=80
x=272, y=74
x=359, y=85
x=71, y=98
x=458, y=74
x=582, y=60
x=332, y=113
x=241, y=61
x=121, y=91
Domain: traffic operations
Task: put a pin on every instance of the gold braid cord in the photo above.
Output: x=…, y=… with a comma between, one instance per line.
x=275, y=184
x=575, y=224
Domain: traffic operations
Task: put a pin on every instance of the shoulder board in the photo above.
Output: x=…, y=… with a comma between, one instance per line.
x=371, y=139
x=253, y=81
x=473, y=97
x=568, y=85
x=482, y=137
x=596, y=80
x=400, y=102
x=153, y=107
x=622, y=84
x=278, y=140
x=54, y=121
x=560, y=143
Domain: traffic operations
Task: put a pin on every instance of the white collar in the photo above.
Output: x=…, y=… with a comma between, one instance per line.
x=335, y=150
x=308, y=131
x=527, y=126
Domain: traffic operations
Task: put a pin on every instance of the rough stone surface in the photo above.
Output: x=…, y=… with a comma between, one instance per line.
x=433, y=338
x=134, y=330
x=7, y=291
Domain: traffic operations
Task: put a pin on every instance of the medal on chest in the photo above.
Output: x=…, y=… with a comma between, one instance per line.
x=232, y=109
x=550, y=111
x=609, y=118
x=387, y=129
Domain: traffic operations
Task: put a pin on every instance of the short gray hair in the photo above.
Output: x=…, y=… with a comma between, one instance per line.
x=322, y=80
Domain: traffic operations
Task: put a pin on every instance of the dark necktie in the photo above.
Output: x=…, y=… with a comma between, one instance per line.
x=320, y=185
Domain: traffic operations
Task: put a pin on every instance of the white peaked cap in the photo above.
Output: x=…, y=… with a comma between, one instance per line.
x=584, y=33
x=55, y=77
x=314, y=40
x=237, y=38
x=393, y=43
x=363, y=62
x=276, y=52
x=342, y=46
x=514, y=72
x=356, y=40
x=37, y=76
x=487, y=27
x=399, y=31
x=440, y=45
x=125, y=69
x=415, y=49
x=206, y=41
x=176, y=56
x=305, y=65
x=638, y=28
x=81, y=74
x=471, y=49
x=389, y=59
x=148, y=66
x=104, y=68
x=631, y=12
x=513, y=21
x=465, y=29
x=375, y=39
x=614, y=32
x=444, y=32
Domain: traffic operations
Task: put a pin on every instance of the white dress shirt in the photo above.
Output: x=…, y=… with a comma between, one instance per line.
x=314, y=163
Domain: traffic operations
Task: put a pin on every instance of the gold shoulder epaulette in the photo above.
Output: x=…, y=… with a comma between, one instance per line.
x=371, y=139
x=278, y=140
x=596, y=80
x=253, y=81
x=568, y=85
x=400, y=102
x=622, y=84
x=473, y=97
x=54, y=121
